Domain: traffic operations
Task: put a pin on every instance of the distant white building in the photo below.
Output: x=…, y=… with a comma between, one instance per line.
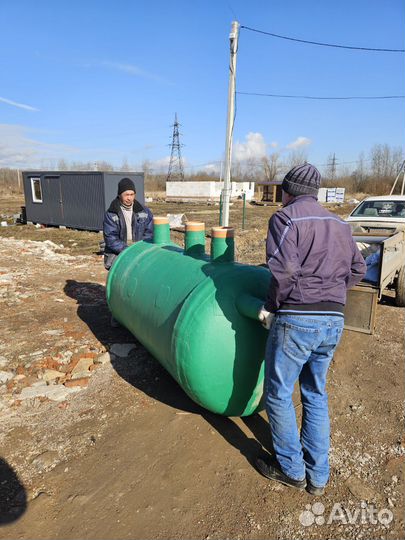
x=331, y=195
x=206, y=191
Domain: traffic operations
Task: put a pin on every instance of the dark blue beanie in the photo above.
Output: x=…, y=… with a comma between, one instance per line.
x=302, y=180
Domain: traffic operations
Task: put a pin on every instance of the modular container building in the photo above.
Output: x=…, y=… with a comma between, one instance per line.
x=76, y=199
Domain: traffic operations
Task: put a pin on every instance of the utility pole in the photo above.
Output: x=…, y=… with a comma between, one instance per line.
x=226, y=192
x=176, y=169
x=401, y=170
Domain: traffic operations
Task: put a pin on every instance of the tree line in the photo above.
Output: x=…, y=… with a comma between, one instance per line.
x=371, y=173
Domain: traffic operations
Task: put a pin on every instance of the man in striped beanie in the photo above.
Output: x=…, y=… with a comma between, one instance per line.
x=313, y=260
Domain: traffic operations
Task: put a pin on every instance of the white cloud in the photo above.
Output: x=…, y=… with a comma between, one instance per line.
x=254, y=147
x=299, y=143
x=19, y=105
x=17, y=149
x=133, y=70
x=211, y=167
x=161, y=166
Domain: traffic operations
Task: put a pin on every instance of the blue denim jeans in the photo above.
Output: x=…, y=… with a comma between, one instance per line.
x=301, y=347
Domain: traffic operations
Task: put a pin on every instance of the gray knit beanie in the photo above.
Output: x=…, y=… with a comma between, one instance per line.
x=302, y=180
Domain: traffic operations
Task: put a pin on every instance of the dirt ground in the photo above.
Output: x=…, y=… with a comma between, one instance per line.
x=98, y=441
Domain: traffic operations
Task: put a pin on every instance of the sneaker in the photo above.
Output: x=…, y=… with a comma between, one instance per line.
x=313, y=490
x=272, y=470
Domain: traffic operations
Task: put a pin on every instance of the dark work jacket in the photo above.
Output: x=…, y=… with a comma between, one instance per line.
x=115, y=229
x=312, y=257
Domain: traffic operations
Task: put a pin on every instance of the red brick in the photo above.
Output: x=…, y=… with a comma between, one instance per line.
x=28, y=381
x=10, y=385
x=51, y=363
x=88, y=355
x=84, y=381
x=64, y=405
x=73, y=363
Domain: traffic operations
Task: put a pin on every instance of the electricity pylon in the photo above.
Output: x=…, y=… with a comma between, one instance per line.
x=176, y=169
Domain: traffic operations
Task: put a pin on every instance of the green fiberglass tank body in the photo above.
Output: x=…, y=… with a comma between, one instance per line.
x=196, y=315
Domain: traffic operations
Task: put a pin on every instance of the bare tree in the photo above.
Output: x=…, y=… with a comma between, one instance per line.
x=251, y=169
x=359, y=175
x=296, y=157
x=103, y=166
x=146, y=168
x=236, y=171
x=63, y=165
x=271, y=166
x=125, y=165
x=384, y=161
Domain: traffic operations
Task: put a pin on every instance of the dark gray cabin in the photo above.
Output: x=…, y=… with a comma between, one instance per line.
x=74, y=199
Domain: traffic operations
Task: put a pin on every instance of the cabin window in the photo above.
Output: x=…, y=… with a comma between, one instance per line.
x=36, y=189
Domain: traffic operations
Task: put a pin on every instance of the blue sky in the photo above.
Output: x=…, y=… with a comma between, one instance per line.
x=101, y=80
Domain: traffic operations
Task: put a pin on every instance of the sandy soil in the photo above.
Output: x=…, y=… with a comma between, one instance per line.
x=121, y=452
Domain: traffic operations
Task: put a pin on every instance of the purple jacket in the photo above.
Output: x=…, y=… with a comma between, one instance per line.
x=312, y=257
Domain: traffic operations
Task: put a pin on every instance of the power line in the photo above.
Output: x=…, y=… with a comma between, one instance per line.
x=232, y=10
x=322, y=44
x=318, y=97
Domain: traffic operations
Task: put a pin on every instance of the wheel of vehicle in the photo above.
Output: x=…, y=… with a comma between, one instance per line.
x=400, y=288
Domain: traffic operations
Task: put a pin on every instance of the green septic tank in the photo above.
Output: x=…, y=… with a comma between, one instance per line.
x=196, y=314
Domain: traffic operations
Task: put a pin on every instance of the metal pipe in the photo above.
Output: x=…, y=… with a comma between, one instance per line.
x=233, y=39
x=220, y=208
x=243, y=210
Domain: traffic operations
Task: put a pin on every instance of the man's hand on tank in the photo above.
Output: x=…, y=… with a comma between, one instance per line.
x=265, y=317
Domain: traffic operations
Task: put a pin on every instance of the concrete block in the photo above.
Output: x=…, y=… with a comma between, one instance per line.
x=5, y=376
x=122, y=349
x=54, y=393
x=104, y=358
x=82, y=368
x=51, y=375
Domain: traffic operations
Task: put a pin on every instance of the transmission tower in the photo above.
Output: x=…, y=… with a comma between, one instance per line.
x=332, y=167
x=176, y=170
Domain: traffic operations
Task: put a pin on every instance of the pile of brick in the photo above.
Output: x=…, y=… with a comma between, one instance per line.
x=52, y=378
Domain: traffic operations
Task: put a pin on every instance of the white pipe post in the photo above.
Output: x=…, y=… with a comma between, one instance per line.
x=226, y=192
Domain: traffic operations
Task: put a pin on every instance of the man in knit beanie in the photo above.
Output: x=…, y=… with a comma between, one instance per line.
x=125, y=222
x=313, y=261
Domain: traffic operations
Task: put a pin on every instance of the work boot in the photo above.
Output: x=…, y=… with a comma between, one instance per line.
x=272, y=470
x=313, y=490
x=114, y=323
